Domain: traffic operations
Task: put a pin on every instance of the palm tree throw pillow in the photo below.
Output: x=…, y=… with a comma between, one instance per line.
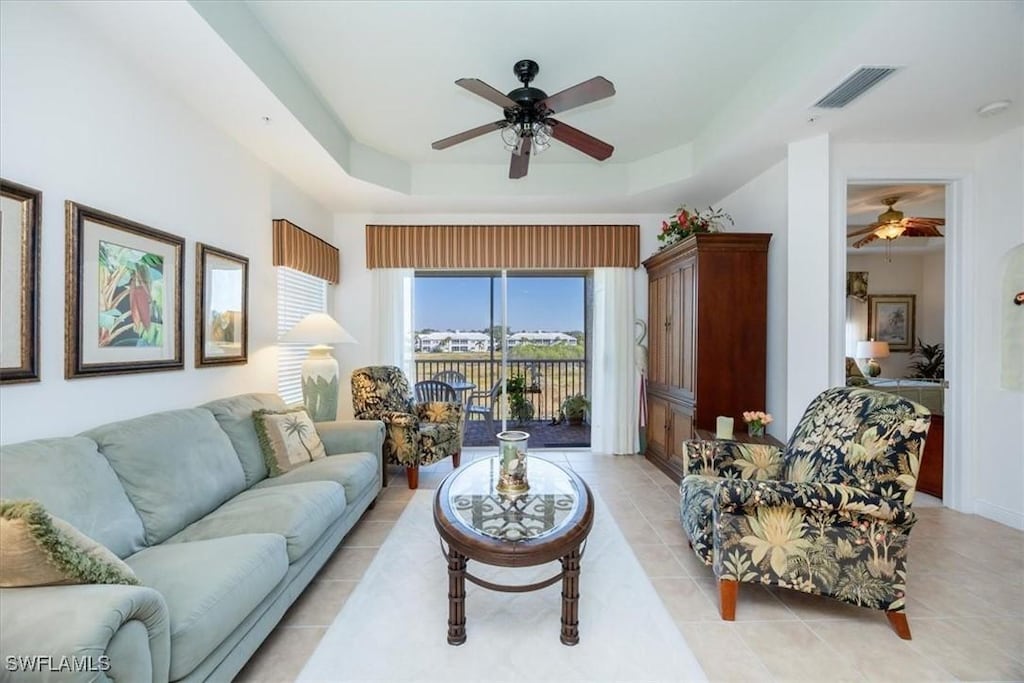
x=38, y=549
x=287, y=438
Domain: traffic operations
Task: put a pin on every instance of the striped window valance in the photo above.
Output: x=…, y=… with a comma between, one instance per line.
x=453, y=247
x=304, y=251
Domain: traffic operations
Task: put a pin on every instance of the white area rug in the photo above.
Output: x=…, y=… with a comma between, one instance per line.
x=394, y=626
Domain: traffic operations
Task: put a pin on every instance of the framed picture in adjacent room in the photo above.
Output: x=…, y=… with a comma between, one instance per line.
x=891, y=319
x=222, y=307
x=20, y=209
x=123, y=295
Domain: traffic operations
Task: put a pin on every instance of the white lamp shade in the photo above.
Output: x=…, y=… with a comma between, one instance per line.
x=318, y=328
x=872, y=349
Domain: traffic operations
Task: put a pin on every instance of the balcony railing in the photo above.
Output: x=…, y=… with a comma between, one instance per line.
x=553, y=380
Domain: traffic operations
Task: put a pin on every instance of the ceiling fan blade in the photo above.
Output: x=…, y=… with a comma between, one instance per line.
x=521, y=162
x=575, y=137
x=867, y=239
x=862, y=229
x=469, y=134
x=922, y=231
x=920, y=221
x=478, y=87
x=597, y=88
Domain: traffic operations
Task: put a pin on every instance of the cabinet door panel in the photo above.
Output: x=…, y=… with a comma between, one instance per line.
x=656, y=317
x=682, y=430
x=686, y=341
x=657, y=426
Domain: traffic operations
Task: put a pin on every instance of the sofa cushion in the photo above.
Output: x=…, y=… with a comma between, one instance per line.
x=234, y=415
x=299, y=512
x=210, y=587
x=287, y=438
x=37, y=549
x=75, y=482
x=356, y=472
x=175, y=466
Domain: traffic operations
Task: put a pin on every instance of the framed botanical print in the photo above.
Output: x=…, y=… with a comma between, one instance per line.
x=122, y=296
x=222, y=307
x=20, y=209
x=891, y=319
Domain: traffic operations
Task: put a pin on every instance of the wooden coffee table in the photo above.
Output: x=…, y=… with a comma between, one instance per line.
x=549, y=522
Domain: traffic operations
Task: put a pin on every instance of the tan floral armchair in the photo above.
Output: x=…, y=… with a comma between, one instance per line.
x=416, y=433
x=830, y=514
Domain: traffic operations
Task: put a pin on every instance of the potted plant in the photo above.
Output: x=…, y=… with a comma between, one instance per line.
x=687, y=221
x=519, y=406
x=574, y=409
x=929, y=361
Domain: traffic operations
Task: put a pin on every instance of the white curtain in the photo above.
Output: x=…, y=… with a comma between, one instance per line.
x=615, y=377
x=392, y=310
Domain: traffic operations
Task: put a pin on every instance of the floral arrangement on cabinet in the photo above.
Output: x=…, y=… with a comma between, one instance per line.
x=687, y=221
x=756, y=421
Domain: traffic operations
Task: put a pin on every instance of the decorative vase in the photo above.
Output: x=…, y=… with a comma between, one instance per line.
x=755, y=429
x=512, y=462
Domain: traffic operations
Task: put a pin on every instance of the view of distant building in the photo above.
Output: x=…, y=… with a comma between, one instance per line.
x=448, y=342
x=541, y=339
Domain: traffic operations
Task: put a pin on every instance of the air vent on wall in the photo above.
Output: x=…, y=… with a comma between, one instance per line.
x=859, y=82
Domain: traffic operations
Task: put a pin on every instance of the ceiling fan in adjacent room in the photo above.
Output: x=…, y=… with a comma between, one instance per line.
x=528, y=125
x=892, y=224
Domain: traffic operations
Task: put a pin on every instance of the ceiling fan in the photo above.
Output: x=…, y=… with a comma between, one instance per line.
x=528, y=125
x=892, y=224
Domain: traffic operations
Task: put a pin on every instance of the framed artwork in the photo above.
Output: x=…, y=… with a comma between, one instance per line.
x=857, y=284
x=20, y=209
x=122, y=295
x=891, y=319
x=222, y=307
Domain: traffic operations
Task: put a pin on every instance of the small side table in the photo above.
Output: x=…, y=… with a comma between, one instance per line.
x=741, y=437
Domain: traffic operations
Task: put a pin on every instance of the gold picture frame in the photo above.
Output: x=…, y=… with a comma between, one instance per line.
x=222, y=307
x=20, y=213
x=891, y=319
x=123, y=298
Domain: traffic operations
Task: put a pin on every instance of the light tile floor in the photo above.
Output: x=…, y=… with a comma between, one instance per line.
x=965, y=593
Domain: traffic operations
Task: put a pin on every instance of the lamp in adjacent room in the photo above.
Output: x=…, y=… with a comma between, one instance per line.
x=871, y=350
x=320, y=369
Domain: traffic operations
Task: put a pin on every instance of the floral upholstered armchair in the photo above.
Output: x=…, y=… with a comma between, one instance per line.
x=829, y=514
x=416, y=433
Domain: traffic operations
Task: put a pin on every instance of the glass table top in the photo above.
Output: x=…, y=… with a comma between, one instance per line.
x=543, y=509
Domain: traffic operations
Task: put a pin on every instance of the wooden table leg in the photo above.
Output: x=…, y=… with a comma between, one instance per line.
x=456, y=597
x=571, y=598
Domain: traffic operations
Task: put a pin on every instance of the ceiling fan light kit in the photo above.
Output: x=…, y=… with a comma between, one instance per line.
x=528, y=126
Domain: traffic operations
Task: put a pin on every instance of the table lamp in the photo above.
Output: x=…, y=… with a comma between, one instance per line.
x=871, y=350
x=320, y=369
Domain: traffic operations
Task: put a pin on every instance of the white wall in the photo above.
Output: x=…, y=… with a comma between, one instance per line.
x=78, y=122
x=354, y=293
x=919, y=274
x=984, y=464
x=760, y=206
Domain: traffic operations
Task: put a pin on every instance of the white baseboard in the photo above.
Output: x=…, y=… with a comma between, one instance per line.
x=998, y=513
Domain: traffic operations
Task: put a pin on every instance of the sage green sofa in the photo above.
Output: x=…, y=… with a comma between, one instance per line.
x=220, y=550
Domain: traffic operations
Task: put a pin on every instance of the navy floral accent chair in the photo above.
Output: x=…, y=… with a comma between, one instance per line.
x=830, y=514
x=415, y=433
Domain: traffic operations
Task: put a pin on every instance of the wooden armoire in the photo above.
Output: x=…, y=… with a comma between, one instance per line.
x=707, y=321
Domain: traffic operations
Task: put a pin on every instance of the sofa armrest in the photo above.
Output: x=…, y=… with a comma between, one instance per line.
x=733, y=495
x=351, y=436
x=732, y=459
x=96, y=627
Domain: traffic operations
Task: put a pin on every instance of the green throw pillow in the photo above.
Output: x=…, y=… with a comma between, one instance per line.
x=287, y=438
x=38, y=549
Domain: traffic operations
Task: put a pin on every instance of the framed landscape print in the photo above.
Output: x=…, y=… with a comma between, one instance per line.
x=122, y=297
x=19, y=291
x=222, y=307
x=891, y=319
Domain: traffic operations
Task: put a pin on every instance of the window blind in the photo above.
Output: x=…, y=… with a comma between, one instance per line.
x=298, y=295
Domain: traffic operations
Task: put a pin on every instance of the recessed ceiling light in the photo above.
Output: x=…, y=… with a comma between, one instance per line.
x=993, y=108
